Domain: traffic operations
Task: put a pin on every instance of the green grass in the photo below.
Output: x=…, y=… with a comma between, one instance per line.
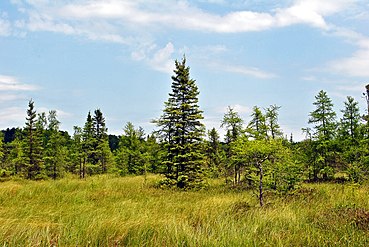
x=115, y=211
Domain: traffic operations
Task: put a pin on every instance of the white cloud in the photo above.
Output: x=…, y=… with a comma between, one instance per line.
x=240, y=109
x=5, y=26
x=358, y=63
x=249, y=71
x=10, y=97
x=38, y=22
x=9, y=83
x=243, y=70
x=352, y=88
x=311, y=12
x=12, y=116
x=59, y=113
x=162, y=59
x=70, y=17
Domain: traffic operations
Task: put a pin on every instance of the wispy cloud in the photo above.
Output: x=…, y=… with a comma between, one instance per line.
x=10, y=83
x=119, y=15
x=12, y=116
x=134, y=22
x=10, y=97
x=159, y=59
x=358, y=63
x=243, y=70
x=5, y=25
x=12, y=92
x=241, y=109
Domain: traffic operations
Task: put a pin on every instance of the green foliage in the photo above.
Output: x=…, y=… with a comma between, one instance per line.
x=324, y=120
x=257, y=127
x=32, y=144
x=267, y=162
x=182, y=130
x=271, y=117
x=232, y=123
x=131, y=152
x=215, y=155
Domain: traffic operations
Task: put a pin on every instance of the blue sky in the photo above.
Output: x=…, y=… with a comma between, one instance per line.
x=74, y=56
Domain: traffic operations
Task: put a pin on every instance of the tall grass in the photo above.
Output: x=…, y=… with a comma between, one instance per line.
x=114, y=211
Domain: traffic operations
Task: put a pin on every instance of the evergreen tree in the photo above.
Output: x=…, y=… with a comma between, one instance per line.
x=324, y=120
x=351, y=138
x=102, y=151
x=88, y=144
x=350, y=122
x=77, y=153
x=131, y=151
x=183, y=129
x=2, y=155
x=323, y=117
x=54, y=158
x=214, y=152
x=33, y=143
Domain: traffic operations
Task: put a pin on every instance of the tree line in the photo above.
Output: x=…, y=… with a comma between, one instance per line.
x=255, y=155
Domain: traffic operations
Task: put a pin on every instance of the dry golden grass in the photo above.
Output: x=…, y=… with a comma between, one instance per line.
x=123, y=211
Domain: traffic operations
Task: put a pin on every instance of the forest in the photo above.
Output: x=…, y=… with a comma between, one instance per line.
x=255, y=159
x=335, y=147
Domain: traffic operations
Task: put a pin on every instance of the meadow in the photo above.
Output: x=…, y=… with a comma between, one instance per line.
x=130, y=211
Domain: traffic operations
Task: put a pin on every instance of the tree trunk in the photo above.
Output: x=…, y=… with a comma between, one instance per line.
x=261, y=199
x=235, y=175
x=54, y=171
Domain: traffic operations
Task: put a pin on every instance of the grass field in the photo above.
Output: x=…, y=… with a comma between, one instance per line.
x=116, y=211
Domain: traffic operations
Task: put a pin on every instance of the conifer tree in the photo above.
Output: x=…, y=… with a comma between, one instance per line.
x=350, y=121
x=88, y=144
x=1, y=149
x=182, y=128
x=257, y=127
x=273, y=126
x=77, y=152
x=102, y=150
x=323, y=117
x=351, y=139
x=214, y=152
x=33, y=143
x=232, y=122
x=131, y=150
x=324, y=120
x=53, y=152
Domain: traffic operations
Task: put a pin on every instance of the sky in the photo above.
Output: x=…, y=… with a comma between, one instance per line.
x=75, y=56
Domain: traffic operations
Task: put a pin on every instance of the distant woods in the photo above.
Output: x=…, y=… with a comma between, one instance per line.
x=255, y=155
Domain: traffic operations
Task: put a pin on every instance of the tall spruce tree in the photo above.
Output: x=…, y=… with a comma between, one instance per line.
x=181, y=126
x=32, y=143
x=102, y=150
x=88, y=144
